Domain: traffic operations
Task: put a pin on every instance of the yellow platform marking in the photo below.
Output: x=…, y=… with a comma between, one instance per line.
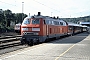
x=65, y=52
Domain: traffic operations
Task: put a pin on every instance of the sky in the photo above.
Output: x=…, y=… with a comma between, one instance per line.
x=61, y=8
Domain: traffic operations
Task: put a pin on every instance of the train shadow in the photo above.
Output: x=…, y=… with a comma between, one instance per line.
x=70, y=39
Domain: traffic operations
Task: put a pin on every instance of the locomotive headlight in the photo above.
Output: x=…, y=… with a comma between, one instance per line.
x=25, y=29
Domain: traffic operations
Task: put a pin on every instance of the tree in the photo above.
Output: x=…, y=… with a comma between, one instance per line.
x=8, y=17
x=1, y=16
x=19, y=18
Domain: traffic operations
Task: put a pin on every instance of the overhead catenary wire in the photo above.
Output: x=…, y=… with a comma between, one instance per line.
x=46, y=6
x=56, y=9
x=7, y=3
x=43, y=4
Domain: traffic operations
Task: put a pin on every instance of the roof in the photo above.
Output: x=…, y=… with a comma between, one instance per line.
x=18, y=24
x=73, y=24
x=84, y=22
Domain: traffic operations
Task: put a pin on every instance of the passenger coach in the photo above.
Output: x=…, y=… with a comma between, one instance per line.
x=17, y=28
x=74, y=28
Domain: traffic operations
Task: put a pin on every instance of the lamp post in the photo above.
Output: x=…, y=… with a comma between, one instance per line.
x=22, y=10
x=51, y=14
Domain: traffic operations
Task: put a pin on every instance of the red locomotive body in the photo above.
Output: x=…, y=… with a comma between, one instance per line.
x=39, y=28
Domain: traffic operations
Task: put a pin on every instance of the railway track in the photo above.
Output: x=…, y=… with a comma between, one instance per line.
x=10, y=43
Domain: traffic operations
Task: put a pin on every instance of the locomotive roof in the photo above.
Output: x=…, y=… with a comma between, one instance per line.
x=46, y=18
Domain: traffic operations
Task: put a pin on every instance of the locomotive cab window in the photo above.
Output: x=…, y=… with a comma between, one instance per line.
x=36, y=21
x=26, y=21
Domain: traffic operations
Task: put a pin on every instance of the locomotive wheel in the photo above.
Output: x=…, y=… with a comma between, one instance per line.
x=46, y=40
x=22, y=42
x=37, y=41
x=30, y=42
x=57, y=38
x=72, y=34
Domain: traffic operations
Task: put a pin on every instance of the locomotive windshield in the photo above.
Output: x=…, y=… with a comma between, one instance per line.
x=26, y=21
x=36, y=21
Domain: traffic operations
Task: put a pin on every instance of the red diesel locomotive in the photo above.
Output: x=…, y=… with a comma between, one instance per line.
x=38, y=28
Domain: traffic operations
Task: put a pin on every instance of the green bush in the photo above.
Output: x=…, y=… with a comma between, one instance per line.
x=6, y=29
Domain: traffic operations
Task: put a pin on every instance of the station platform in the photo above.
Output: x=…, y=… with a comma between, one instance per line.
x=75, y=47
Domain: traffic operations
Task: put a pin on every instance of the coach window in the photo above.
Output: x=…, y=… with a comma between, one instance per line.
x=61, y=23
x=56, y=22
x=47, y=21
x=44, y=22
x=36, y=21
x=50, y=22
